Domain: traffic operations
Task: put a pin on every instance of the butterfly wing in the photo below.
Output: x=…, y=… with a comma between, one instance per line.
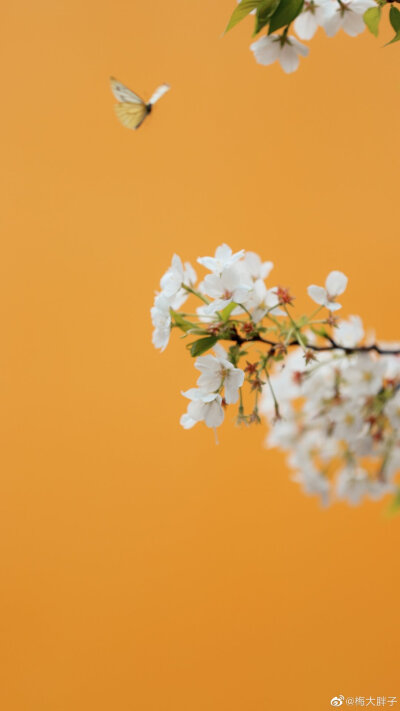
x=130, y=114
x=122, y=93
x=159, y=92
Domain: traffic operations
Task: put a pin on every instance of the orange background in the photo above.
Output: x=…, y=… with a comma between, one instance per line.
x=142, y=566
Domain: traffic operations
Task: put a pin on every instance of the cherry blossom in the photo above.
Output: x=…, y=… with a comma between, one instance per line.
x=348, y=15
x=161, y=318
x=282, y=48
x=217, y=371
x=205, y=407
x=229, y=286
x=329, y=394
x=314, y=14
x=335, y=285
x=224, y=257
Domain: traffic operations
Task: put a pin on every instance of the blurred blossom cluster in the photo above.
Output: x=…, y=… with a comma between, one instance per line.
x=305, y=17
x=330, y=396
x=339, y=421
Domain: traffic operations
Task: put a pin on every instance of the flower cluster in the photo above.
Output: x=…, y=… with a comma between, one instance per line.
x=331, y=398
x=339, y=419
x=306, y=16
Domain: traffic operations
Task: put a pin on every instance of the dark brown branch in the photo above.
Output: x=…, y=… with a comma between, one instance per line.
x=237, y=338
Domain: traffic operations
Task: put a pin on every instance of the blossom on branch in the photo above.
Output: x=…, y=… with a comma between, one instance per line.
x=285, y=49
x=331, y=398
x=335, y=285
x=348, y=15
x=313, y=15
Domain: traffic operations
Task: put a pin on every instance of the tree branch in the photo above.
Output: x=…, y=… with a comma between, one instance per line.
x=237, y=338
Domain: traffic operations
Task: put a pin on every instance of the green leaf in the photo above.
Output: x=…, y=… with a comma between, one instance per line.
x=181, y=322
x=202, y=345
x=286, y=12
x=394, y=505
x=320, y=332
x=241, y=11
x=394, y=17
x=396, y=38
x=264, y=13
x=226, y=312
x=372, y=18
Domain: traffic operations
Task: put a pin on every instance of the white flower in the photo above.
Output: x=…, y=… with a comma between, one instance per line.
x=313, y=482
x=262, y=300
x=349, y=333
x=348, y=422
x=277, y=47
x=364, y=376
x=218, y=371
x=171, y=282
x=223, y=258
x=314, y=14
x=203, y=407
x=352, y=484
x=347, y=14
x=229, y=286
x=392, y=410
x=335, y=285
x=161, y=318
x=255, y=267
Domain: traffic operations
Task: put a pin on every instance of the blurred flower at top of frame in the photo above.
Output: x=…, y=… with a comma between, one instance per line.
x=335, y=285
x=348, y=15
x=282, y=48
x=313, y=15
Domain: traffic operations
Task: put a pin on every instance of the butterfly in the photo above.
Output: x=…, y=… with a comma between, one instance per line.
x=131, y=109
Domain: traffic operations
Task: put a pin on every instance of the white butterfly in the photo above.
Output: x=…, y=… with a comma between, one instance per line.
x=131, y=109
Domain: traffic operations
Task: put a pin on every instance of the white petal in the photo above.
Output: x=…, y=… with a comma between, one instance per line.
x=214, y=416
x=212, y=285
x=352, y=23
x=336, y=283
x=191, y=394
x=317, y=294
x=230, y=278
x=266, y=49
x=232, y=384
x=298, y=46
x=197, y=410
x=206, y=363
x=289, y=59
x=306, y=25
x=160, y=338
x=208, y=262
x=223, y=253
x=333, y=305
x=187, y=422
x=209, y=381
x=253, y=263
x=219, y=351
x=332, y=23
x=266, y=268
x=241, y=294
x=360, y=6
